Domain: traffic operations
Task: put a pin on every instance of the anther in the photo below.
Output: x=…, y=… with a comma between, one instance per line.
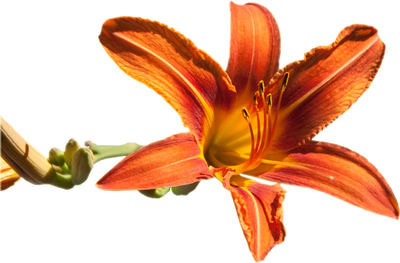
x=255, y=99
x=261, y=87
x=245, y=114
x=269, y=100
x=285, y=81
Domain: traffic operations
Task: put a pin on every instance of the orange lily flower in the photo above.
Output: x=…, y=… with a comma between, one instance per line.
x=252, y=119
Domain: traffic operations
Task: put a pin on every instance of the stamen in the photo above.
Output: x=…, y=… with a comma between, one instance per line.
x=261, y=87
x=267, y=127
x=269, y=101
x=247, y=117
x=242, y=167
x=255, y=100
x=259, y=105
x=285, y=81
x=258, y=129
x=278, y=107
x=245, y=114
x=265, y=132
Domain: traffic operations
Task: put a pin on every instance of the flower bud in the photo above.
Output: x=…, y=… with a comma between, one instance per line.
x=56, y=156
x=155, y=193
x=184, y=189
x=71, y=147
x=81, y=165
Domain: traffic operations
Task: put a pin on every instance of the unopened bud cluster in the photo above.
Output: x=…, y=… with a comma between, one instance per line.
x=74, y=161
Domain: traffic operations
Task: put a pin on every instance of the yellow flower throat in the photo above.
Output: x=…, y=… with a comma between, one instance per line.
x=233, y=151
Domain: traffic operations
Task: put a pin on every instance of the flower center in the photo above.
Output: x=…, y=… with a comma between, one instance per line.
x=260, y=116
x=241, y=140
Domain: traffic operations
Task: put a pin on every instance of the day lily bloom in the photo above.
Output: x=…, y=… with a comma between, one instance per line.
x=251, y=119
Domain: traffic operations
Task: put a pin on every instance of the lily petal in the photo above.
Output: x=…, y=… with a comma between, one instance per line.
x=255, y=46
x=325, y=84
x=170, y=162
x=156, y=55
x=259, y=208
x=337, y=171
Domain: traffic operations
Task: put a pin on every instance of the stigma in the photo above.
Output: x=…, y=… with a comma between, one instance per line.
x=262, y=123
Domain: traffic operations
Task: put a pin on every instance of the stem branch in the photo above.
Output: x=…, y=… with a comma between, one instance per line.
x=101, y=152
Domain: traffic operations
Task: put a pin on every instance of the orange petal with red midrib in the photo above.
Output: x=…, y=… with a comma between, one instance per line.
x=325, y=84
x=337, y=171
x=255, y=46
x=156, y=55
x=259, y=208
x=171, y=162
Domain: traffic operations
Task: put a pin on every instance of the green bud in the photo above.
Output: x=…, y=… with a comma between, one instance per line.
x=65, y=169
x=56, y=156
x=81, y=165
x=184, y=189
x=70, y=148
x=155, y=193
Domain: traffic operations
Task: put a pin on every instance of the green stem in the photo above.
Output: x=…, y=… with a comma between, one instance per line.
x=101, y=152
x=62, y=180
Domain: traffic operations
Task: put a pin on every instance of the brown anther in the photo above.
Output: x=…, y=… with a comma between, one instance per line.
x=261, y=87
x=245, y=113
x=269, y=100
x=285, y=81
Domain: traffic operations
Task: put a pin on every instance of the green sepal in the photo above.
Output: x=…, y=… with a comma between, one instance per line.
x=155, y=193
x=184, y=189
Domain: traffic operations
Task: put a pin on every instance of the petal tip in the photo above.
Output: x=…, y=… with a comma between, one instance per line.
x=106, y=182
x=102, y=184
x=110, y=24
x=361, y=31
x=232, y=4
x=395, y=206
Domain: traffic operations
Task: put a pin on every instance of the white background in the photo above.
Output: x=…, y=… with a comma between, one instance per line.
x=57, y=82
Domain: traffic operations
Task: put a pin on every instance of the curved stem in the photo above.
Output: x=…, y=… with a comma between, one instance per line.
x=102, y=152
